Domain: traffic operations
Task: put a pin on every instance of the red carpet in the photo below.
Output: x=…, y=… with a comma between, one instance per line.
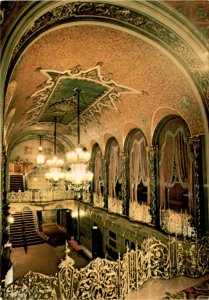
x=199, y=291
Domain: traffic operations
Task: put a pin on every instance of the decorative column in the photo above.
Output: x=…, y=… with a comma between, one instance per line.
x=125, y=183
x=153, y=163
x=105, y=164
x=195, y=143
x=91, y=167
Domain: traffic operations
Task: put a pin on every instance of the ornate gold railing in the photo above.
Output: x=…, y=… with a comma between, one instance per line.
x=115, y=205
x=98, y=200
x=104, y=279
x=140, y=212
x=40, y=196
x=177, y=223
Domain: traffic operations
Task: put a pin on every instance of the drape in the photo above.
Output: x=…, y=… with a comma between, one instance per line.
x=167, y=160
x=138, y=166
x=181, y=158
x=98, y=172
x=143, y=162
x=175, y=149
x=114, y=169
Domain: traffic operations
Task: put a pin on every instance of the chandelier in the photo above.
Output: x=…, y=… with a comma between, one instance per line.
x=40, y=159
x=79, y=176
x=55, y=165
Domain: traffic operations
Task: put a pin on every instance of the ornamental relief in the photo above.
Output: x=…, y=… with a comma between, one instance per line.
x=66, y=11
x=98, y=92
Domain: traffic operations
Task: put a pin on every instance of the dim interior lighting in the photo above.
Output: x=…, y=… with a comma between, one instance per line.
x=55, y=165
x=40, y=157
x=78, y=176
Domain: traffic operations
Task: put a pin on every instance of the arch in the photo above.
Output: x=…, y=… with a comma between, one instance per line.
x=130, y=136
x=59, y=206
x=10, y=94
x=135, y=147
x=114, y=168
x=26, y=208
x=175, y=167
x=8, y=120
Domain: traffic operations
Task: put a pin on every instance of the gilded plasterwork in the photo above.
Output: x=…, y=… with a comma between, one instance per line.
x=57, y=97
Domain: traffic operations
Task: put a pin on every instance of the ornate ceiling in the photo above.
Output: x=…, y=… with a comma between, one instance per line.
x=136, y=62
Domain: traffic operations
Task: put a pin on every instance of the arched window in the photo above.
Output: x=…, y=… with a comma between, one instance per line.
x=174, y=165
x=138, y=167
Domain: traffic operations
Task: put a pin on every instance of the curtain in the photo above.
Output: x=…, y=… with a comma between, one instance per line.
x=98, y=172
x=135, y=171
x=181, y=158
x=143, y=162
x=167, y=159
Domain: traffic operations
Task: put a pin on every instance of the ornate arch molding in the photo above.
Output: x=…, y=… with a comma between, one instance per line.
x=161, y=125
x=131, y=15
x=95, y=147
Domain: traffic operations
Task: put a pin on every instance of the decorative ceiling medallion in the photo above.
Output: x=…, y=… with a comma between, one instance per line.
x=186, y=101
x=143, y=119
x=57, y=98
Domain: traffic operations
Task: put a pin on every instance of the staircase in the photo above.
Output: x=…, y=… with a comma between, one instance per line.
x=31, y=235
x=16, y=231
x=16, y=183
x=23, y=232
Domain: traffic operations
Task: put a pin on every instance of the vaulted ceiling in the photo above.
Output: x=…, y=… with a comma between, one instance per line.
x=135, y=62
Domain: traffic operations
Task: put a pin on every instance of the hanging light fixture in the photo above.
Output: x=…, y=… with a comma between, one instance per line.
x=55, y=165
x=78, y=176
x=40, y=159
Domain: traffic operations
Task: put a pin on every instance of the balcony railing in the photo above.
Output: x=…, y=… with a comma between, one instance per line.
x=40, y=196
x=177, y=222
x=98, y=201
x=140, y=212
x=115, y=205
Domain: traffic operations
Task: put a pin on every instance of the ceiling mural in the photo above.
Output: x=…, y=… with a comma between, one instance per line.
x=57, y=97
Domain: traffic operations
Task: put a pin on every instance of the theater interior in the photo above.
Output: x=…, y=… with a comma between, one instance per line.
x=104, y=148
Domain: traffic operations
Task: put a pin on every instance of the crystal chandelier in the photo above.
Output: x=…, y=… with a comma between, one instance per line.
x=55, y=165
x=78, y=176
x=40, y=159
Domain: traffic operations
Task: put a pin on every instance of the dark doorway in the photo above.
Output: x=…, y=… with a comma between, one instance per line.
x=97, y=242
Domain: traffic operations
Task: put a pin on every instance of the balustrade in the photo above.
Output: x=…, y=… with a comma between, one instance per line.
x=177, y=223
x=20, y=196
x=98, y=200
x=40, y=196
x=140, y=212
x=115, y=205
x=104, y=279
